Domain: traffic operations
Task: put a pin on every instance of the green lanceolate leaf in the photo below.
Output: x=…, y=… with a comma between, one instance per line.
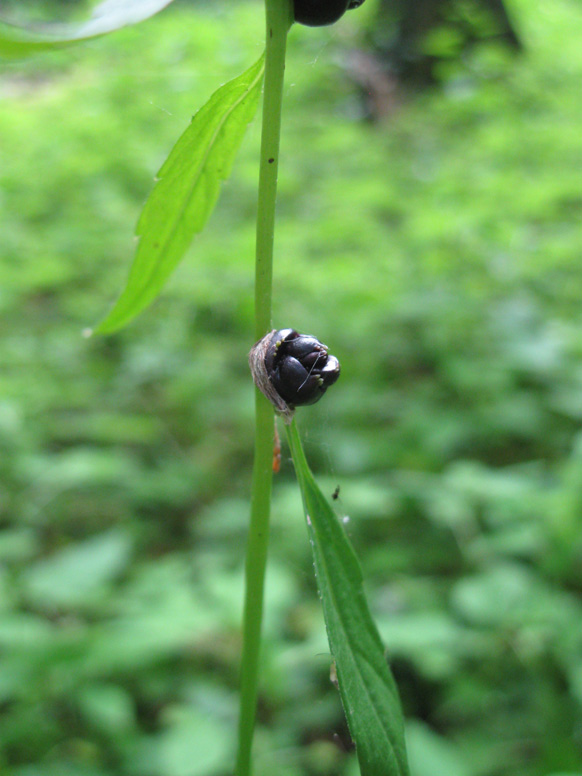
x=368, y=692
x=19, y=40
x=186, y=192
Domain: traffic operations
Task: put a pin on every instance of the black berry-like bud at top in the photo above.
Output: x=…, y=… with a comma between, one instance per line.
x=292, y=369
x=317, y=13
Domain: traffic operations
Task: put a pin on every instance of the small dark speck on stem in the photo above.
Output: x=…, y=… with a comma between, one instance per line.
x=271, y=160
x=270, y=32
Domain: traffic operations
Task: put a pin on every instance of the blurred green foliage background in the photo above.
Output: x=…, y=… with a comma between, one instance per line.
x=438, y=255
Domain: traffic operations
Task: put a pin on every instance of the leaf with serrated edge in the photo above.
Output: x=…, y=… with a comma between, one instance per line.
x=368, y=692
x=18, y=40
x=186, y=192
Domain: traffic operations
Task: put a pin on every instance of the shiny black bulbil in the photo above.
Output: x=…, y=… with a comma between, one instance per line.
x=299, y=367
x=317, y=13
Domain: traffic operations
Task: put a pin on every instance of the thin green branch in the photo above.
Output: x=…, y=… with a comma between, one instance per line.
x=279, y=18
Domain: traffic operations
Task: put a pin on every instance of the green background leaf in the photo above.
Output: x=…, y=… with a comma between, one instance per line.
x=187, y=190
x=20, y=40
x=367, y=688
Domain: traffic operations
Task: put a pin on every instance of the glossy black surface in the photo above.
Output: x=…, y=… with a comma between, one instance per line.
x=300, y=367
x=317, y=13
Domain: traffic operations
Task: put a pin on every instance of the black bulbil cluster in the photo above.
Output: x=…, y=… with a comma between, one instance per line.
x=317, y=13
x=299, y=367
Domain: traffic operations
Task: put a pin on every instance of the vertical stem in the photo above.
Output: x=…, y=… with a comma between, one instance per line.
x=279, y=18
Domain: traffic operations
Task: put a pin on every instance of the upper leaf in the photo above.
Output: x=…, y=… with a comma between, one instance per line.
x=368, y=692
x=19, y=40
x=186, y=192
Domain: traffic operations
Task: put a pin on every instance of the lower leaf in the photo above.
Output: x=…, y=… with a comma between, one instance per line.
x=367, y=688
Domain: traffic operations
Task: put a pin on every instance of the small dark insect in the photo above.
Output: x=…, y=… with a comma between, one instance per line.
x=317, y=13
x=335, y=494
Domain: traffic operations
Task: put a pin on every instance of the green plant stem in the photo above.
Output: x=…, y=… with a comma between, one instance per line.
x=279, y=18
